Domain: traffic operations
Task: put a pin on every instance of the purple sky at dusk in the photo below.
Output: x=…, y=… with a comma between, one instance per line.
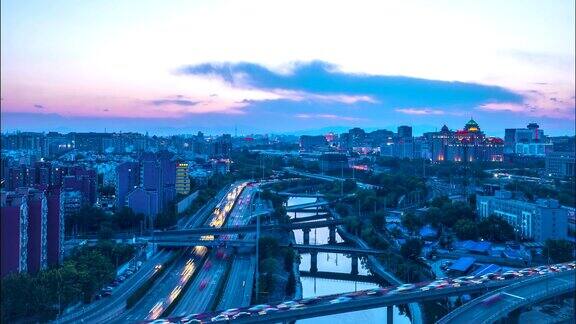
x=291, y=66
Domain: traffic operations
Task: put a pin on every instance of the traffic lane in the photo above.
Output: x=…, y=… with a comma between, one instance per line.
x=234, y=289
x=202, y=291
x=161, y=288
x=511, y=296
x=197, y=298
x=119, y=295
x=402, y=294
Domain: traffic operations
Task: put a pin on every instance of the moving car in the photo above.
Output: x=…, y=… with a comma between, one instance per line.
x=491, y=299
x=241, y=315
x=341, y=299
x=405, y=287
x=220, y=317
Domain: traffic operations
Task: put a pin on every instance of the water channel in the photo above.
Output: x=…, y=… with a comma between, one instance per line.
x=335, y=262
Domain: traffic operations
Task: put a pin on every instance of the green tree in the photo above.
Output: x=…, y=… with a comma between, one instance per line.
x=412, y=248
x=466, y=229
x=559, y=250
x=495, y=229
x=378, y=220
x=433, y=216
x=411, y=222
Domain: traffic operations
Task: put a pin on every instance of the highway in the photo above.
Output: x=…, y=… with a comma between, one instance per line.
x=564, y=274
x=165, y=289
x=202, y=294
x=481, y=310
x=238, y=289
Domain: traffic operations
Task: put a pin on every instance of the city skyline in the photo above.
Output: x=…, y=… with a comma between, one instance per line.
x=215, y=68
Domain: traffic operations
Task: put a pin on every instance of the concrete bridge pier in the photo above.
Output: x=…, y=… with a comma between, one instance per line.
x=306, y=232
x=332, y=235
x=389, y=315
x=313, y=261
x=354, y=270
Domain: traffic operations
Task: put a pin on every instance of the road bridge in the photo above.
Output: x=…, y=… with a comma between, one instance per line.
x=167, y=243
x=313, y=206
x=367, y=301
x=329, y=178
x=300, y=195
x=327, y=248
x=310, y=218
x=339, y=276
x=246, y=228
x=326, y=308
x=511, y=298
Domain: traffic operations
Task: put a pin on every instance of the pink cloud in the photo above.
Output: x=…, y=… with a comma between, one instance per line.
x=416, y=111
x=546, y=103
x=326, y=116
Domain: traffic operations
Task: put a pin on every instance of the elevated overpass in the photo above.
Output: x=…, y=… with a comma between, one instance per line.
x=390, y=296
x=328, y=178
x=511, y=298
x=307, y=206
x=246, y=228
x=207, y=243
x=328, y=248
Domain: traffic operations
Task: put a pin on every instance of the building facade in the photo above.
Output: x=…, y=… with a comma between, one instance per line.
x=14, y=228
x=539, y=221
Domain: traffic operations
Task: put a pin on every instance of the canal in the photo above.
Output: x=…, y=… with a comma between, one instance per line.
x=340, y=263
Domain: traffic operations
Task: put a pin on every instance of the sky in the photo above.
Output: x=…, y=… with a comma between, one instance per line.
x=286, y=66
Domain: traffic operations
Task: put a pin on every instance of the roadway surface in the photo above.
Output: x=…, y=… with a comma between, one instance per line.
x=158, y=297
x=202, y=294
x=199, y=231
x=509, y=298
x=397, y=295
x=114, y=305
x=238, y=289
x=161, y=288
x=329, y=178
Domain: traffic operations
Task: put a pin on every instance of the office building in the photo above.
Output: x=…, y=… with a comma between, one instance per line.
x=542, y=220
x=560, y=164
x=529, y=141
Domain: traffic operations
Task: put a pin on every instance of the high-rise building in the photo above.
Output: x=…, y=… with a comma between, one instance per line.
x=55, y=226
x=405, y=132
x=84, y=180
x=144, y=202
x=128, y=178
x=37, y=228
x=529, y=141
x=182, y=178
x=14, y=228
x=151, y=180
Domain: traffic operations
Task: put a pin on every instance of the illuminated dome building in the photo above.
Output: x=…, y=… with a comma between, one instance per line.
x=469, y=144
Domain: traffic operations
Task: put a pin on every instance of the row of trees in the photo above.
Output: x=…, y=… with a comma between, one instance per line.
x=565, y=193
x=41, y=296
x=91, y=219
x=274, y=262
